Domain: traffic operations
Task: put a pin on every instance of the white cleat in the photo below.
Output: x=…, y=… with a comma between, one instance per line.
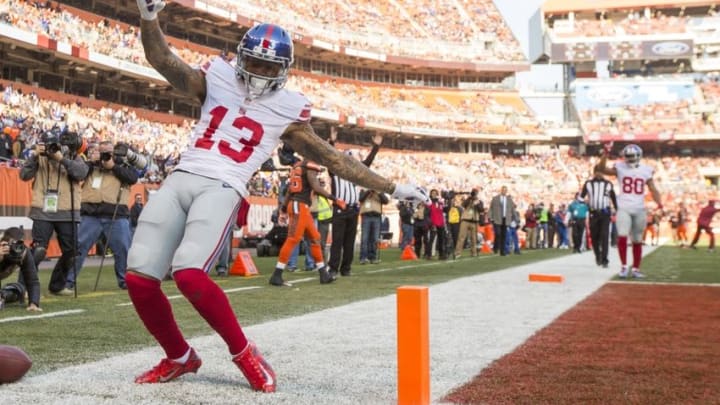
x=623, y=272
x=637, y=274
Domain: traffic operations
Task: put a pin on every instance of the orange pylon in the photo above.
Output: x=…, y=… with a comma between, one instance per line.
x=408, y=253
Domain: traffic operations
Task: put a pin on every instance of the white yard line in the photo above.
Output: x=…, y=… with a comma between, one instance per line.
x=44, y=315
x=174, y=297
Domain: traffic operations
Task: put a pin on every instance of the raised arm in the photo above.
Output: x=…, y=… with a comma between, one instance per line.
x=157, y=52
x=602, y=164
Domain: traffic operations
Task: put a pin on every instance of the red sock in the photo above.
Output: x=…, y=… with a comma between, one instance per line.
x=637, y=255
x=212, y=304
x=155, y=312
x=622, y=249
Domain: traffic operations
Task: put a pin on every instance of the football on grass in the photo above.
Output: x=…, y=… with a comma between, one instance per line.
x=14, y=363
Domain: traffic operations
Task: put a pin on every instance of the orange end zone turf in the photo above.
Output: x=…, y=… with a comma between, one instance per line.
x=546, y=278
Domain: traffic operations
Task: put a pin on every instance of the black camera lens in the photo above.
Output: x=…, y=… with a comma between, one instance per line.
x=106, y=156
x=17, y=248
x=52, y=148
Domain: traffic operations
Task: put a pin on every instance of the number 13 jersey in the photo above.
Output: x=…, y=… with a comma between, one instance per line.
x=632, y=184
x=236, y=135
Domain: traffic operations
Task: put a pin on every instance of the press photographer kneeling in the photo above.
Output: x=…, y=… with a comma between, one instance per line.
x=15, y=255
x=56, y=170
x=104, y=207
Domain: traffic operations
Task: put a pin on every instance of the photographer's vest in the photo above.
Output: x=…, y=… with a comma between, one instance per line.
x=470, y=214
x=324, y=209
x=52, y=175
x=102, y=186
x=371, y=205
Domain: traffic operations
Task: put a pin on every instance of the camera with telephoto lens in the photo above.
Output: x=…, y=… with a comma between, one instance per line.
x=56, y=140
x=17, y=249
x=449, y=195
x=123, y=153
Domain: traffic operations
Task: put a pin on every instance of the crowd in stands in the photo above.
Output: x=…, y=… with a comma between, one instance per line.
x=443, y=32
x=416, y=28
x=462, y=111
x=632, y=23
x=553, y=175
x=32, y=116
x=692, y=116
x=624, y=22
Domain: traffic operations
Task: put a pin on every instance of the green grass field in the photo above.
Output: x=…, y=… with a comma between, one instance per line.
x=109, y=325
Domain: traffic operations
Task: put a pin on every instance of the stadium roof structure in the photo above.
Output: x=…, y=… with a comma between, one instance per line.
x=564, y=6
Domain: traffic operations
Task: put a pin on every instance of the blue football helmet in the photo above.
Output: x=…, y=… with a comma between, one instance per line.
x=632, y=154
x=268, y=43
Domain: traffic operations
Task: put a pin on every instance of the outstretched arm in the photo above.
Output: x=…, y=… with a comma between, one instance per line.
x=302, y=138
x=180, y=75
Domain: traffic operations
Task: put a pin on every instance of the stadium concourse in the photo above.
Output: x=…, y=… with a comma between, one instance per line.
x=473, y=321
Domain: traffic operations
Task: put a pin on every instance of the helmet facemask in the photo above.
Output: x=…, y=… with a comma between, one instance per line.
x=632, y=155
x=259, y=84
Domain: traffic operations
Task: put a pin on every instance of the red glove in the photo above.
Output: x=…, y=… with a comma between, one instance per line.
x=340, y=203
x=242, y=214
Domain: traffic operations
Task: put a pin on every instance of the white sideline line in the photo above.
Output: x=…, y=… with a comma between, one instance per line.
x=435, y=263
x=174, y=297
x=675, y=284
x=48, y=315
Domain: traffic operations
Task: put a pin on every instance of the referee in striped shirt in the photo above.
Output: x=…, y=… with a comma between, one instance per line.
x=345, y=220
x=599, y=193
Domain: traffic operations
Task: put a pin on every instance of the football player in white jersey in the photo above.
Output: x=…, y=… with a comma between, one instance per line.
x=634, y=179
x=245, y=114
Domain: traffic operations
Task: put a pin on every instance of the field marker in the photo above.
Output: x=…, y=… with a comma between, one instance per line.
x=546, y=278
x=47, y=315
x=174, y=297
x=413, y=345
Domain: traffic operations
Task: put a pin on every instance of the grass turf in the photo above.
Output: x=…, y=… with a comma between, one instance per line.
x=110, y=326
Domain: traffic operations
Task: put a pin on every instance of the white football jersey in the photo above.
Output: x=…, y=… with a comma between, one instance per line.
x=236, y=135
x=632, y=183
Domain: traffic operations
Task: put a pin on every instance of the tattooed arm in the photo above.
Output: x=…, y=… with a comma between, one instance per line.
x=175, y=70
x=302, y=138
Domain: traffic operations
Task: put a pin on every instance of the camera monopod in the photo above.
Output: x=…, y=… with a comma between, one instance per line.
x=107, y=242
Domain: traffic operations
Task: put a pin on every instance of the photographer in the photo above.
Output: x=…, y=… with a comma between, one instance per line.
x=14, y=254
x=56, y=171
x=104, y=207
x=371, y=203
x=473, y=210
x=406, y=211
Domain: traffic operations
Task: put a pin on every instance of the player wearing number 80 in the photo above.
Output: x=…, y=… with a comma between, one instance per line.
x=245, y=114
x=633, y=177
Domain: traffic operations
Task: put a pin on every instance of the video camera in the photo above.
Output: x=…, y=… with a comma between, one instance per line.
x=123, y=153
x=65, y=141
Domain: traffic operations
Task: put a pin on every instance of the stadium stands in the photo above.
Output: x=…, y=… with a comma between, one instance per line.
x=407, y=109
